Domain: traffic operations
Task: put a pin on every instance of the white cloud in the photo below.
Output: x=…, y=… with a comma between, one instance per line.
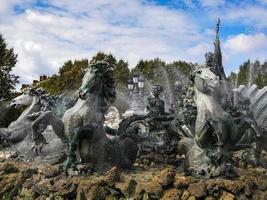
x=249, y=14
x=262, y=1
x=198, y=51
x=45, y=38
x=6, y=6
x=38, y=18
x=242, y=47
x=243, y=43
x=212, y=3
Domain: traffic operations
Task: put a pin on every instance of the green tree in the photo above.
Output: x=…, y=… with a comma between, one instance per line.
x=243, y=73
x=182, y=66
x=121, y=73
x=258, y=75
x=69, y=77
x=148, y=68
x=103, y=56
x=8, y=60
x=51, y=85
x=71, y=74
x=67, y=66
x=233, y=79
x=264, y=73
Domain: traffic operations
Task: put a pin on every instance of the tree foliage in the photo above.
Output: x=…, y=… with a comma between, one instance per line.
x=8, y=80
x=70, y=75
x=150, y=68
x=121, y=70
x=121, y=73
x=258, y=74
x=103, y=56
x=184, y=67
x=51, y=85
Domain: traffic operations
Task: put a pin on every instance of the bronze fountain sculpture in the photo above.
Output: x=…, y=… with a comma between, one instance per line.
x=206, y=131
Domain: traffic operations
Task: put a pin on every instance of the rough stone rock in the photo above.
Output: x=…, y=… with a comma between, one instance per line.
x=262, y=182
x=42, y=197
x=142, y=183
x=111, y=197
x=227, y=196
x=8, y=168
x=80, y=196
x=26, y=193
x=250, y=185
x=150, y=188
x=192, y=198
x=86, y=182
x=198, y=189
x=96, y=192
x=233, y=186
x=185, y=195
x=165, y=178
x=65, y=188
x=8, y=182
x=112, y=176
x=29, y=183
x=42, y=188
x=15, y=191
x=154, y=187
x=182, y=181
x=28, y=173
x=241, y=196
x=209, y=198
x=259, y=195
x=214, y=186
x=51, y=172
x=127, y=187
x=171, y=194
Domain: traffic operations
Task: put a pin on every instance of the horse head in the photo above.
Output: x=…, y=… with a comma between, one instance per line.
x=24, y=99
x=27, y=98
x=99, y=81
x=206, y=81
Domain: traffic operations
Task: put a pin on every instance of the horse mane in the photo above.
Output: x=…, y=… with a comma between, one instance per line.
x=43, y=95
x=104, y=70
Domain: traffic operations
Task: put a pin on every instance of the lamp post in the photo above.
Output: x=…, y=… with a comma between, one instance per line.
x=130, y=85
x=141, y=84
x=179, y=91
x=135, y=86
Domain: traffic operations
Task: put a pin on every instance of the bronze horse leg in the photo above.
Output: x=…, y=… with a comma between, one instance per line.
x=81, y=132
x=40, y=124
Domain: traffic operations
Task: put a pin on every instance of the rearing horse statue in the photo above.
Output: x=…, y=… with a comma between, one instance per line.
x=84, y=123
x=19, y=132
x=216, y=131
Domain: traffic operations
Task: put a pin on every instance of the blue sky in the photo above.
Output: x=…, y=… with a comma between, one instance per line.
x=46, y=33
